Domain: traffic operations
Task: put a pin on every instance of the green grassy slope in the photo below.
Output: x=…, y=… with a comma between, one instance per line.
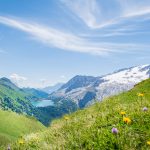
x=13, y=125
x=91, y=128
x=10, y=90
x=13, y=98
x=19, y=100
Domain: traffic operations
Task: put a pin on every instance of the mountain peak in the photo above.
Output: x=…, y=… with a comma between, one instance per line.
x=7, y=82
x=78, y=81
x=132, y=74
x=80, y=86
x=5, y=79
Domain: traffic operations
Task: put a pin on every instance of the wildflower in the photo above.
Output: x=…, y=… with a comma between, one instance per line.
x=66, y=118
x=21, y=141
x=114, y=130
x=148, y=142
x=140, y=94
x=8, y=148
x=127, y=120
x=145, y=109
x=122, y=113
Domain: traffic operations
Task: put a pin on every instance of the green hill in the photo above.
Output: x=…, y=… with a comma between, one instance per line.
x=13, y=125
x=19, y=100
x=91, y=128
x=35, y=93
x=14, y=98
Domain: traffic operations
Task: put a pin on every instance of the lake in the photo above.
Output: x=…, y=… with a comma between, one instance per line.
x=42, y=103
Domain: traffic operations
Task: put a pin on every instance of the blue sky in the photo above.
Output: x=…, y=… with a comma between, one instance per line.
x=50, y=41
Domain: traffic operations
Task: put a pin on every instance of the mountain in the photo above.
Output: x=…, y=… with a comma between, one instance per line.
x=51, y=89
x=20, y=100
x=84, y=89
x=79, y=92
x=7, y=83
x=101, y=126
x=35, y=92
x=12, y=126
x=14, y=98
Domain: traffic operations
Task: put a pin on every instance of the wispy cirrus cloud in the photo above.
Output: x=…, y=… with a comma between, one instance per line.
x=68, y=41
x=97, y=14
x=88, y=10
x=53, y=37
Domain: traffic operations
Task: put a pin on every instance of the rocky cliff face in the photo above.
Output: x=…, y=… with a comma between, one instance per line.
x=84, y=89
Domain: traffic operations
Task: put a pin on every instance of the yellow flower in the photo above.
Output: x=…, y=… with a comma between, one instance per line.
x=21, y=141
x=127, y=120
x=140, y=94
x=122, y=113
x=148, y=142
x=66, y=118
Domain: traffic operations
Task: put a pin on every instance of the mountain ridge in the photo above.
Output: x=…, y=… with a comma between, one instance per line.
x=93, y=127
x=102, y=86
x=51, y=89
x=18, y=100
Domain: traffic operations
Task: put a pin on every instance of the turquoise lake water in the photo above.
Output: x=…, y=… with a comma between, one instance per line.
x=43, y=103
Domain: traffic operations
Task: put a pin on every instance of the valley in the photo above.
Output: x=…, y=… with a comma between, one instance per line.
x=84, y=95
x=92, y=127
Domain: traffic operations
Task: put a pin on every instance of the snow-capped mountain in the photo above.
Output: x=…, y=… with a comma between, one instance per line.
x=84, y=89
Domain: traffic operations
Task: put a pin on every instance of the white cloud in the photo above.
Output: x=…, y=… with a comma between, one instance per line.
x=85, y=10
x=22, y=81
x=133, y=8
x=97, y=14
x=53, y=37
x=17, y=77
x=67, y=41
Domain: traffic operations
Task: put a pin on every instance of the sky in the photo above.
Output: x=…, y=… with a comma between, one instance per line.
x=44, y=42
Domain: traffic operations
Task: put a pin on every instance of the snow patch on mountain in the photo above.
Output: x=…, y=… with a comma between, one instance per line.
x=134, y=74
x=83, y=89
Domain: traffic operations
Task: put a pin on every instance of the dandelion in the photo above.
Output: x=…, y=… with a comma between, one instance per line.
x=148, y=142
x=21, y=141
x=127, y=120
x=66, y=118
x=114, y=131
x=122, y=113
x=145, y=109
x=140, y=94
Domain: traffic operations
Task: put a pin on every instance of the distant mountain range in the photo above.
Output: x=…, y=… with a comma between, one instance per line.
x=83, y=90
x=51, y=89
x=20, y=100
x=36, y=93
x=15, y=99
x=78, y=92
